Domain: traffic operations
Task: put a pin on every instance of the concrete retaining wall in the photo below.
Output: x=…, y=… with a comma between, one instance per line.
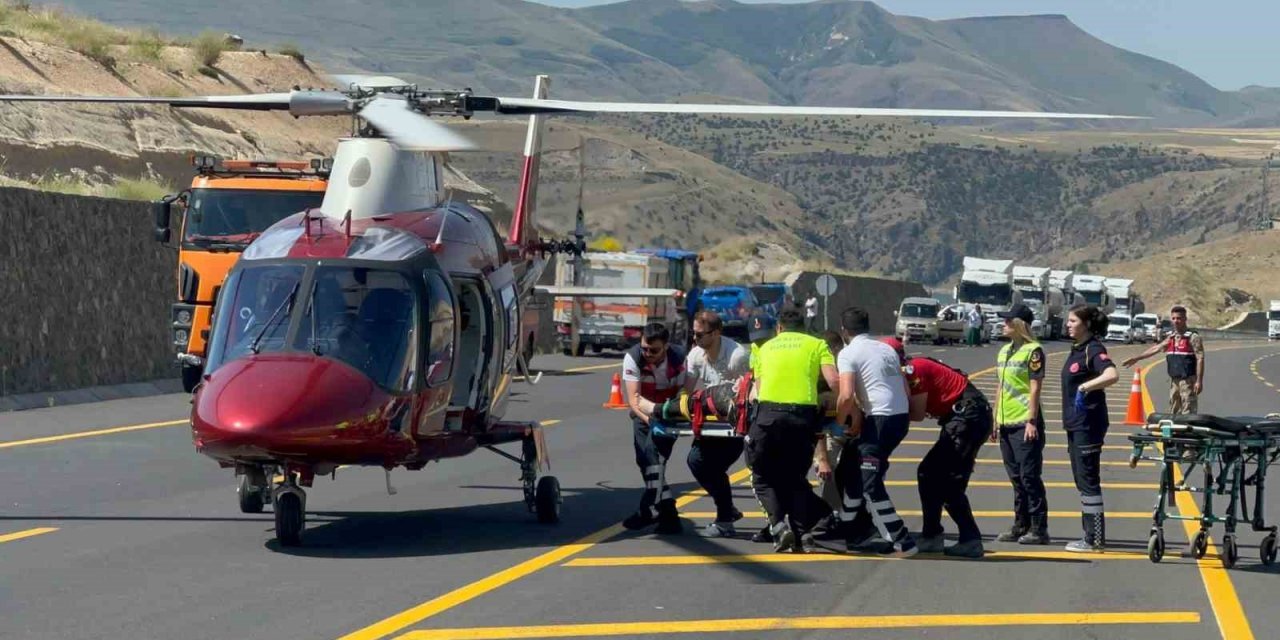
x=879, y=296
x=84, y=293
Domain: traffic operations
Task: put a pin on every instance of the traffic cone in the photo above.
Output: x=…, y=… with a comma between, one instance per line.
x=1135, y=415
x=615, y=395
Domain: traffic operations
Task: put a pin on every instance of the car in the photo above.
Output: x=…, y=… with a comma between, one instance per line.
x=924, y=320
x=734, y=304
x=1122, y=329
x=773, y=297
x=1150, y=324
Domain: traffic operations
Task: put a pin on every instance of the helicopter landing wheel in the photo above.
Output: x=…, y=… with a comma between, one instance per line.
x=251, y=495
x=547, y=500
x=290, y=515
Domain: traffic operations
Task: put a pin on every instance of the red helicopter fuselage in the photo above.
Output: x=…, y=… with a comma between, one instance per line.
x=384, y=341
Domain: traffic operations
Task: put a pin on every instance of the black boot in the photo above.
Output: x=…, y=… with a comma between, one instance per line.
x=763, y=535
x=668, y=519
x=1021, y=524
x=1038, y=532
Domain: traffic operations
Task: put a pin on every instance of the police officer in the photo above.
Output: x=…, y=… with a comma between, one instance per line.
x=715, y=359
x=873, y=403
x=1020, y=366
x=1184, y=359
x=1087, y=371
x=781, y=441
x=653, y=370
x=964, y=416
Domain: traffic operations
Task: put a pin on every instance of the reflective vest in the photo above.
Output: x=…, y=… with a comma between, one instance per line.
x=1179, y=356
x=649, y=389
x=1014, y=371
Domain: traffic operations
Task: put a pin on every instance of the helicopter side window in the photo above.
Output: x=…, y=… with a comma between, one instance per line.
x=440, y=350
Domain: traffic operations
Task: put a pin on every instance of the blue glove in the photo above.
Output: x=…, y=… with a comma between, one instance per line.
x=656, y=427
x=1079, y=403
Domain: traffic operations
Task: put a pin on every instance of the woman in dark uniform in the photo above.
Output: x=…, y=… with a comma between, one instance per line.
x=1087, y=371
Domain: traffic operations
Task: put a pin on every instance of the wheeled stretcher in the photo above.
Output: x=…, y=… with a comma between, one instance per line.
x=1233, y=455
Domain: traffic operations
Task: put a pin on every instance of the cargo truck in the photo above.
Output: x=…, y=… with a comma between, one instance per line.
x=1093, y=290
x=1046, y=301
x=1273, y=321
x=1121, y=290
x=989, y=284
x=616, y=322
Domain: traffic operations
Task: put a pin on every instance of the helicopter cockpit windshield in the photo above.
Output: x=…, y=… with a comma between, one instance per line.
x=362, y=316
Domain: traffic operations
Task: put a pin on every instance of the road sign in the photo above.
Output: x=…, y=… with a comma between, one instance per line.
x=826, y=285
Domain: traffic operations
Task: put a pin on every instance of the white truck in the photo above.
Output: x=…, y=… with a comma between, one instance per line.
x=1121, y=289
x=611, y=321
x=988, y=284
x=1273, y=321
x=1045, y=300
x=1093, y=290
x=1062, y=281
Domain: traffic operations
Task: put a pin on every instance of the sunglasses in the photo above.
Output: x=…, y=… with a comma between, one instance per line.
x=653, y=350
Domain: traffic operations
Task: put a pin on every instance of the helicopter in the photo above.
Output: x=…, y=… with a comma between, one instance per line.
x=383, y=327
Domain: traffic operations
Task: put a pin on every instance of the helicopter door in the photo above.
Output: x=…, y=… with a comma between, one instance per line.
x=476, y=326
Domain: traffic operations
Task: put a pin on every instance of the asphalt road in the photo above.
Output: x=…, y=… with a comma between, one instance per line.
x=109, y=533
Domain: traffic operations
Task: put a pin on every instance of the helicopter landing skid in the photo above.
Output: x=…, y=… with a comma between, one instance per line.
x=541, y=495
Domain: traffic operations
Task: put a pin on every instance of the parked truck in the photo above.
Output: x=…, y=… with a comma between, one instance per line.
x=1063, y=281
x=989, y=284
x=1273, y=321
x=1093, y=290
x=1045, y=300
x=1121, y=290
x=616, y=322
x=227, y=205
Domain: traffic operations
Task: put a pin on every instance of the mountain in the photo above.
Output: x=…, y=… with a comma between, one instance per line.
x=828, y=52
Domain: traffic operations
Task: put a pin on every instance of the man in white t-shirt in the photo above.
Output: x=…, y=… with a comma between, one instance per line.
x=811, y=313
x=715, y=359
x=875, y=402
x=653, y=370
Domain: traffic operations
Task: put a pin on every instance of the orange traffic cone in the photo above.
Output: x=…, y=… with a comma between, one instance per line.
x=1135, y=414
x=615, y=395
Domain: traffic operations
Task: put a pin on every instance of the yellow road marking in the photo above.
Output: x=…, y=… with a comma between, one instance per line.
x=995, y=484
x=803, y=623
x=1110, y=447
x=789, y=558
x=1232, y=621
x=1056, y=463
x=469, y=592
x=29, y=533
x=595, y=367
x=1121, y=515
x=91, y=434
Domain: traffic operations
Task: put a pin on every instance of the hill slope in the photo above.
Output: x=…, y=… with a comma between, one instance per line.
x=833, y=52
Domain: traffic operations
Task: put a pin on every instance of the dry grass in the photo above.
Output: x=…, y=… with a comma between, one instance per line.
x=141, y=188
x=91, y=38
x=208, y=48
x=290, y=49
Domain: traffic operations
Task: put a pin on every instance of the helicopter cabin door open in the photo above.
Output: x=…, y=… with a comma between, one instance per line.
x=488, y=325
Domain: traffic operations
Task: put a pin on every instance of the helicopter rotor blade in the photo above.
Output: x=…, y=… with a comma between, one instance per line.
x=370, y=82
x=411, y=130
x=298, y=103
x=528, y=106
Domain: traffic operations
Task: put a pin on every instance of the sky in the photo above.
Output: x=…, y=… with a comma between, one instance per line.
x=1228, y=43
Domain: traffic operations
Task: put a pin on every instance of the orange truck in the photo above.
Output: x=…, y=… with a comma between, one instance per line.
x=228, y=204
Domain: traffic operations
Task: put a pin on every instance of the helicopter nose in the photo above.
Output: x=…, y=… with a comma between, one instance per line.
x=281, y=405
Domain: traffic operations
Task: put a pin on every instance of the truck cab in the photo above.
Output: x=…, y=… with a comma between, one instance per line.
x=228, y=204
x=1273, y=321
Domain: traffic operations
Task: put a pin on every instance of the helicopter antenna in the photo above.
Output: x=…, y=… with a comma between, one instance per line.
x=580, y=222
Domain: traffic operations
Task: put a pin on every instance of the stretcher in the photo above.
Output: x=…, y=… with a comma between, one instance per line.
x=720, y=411
x=1233, y=455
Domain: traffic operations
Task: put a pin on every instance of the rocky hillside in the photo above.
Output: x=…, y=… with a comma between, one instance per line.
x=830, y=52
x=1216, y=280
